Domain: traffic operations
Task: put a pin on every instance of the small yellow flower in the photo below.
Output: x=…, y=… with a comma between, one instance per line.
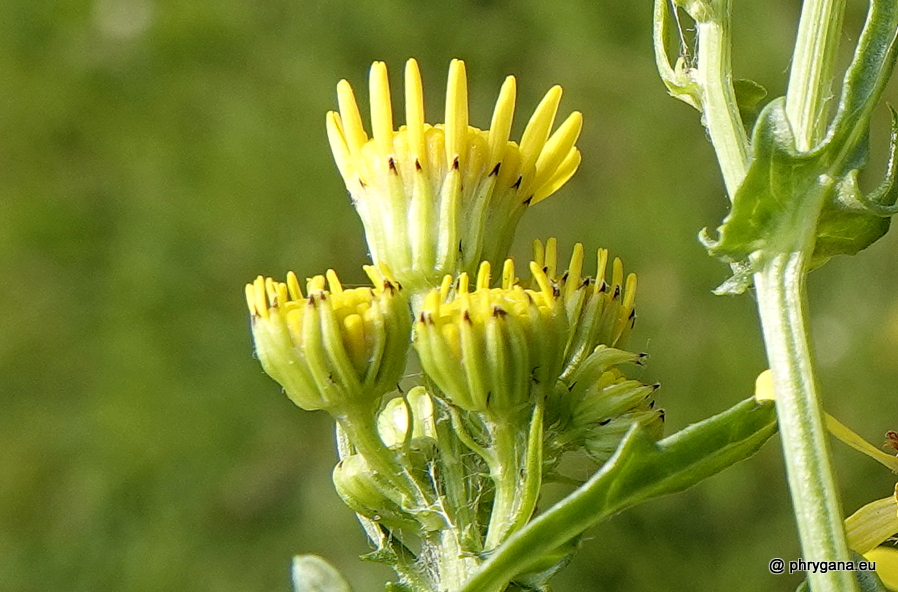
x=600, y=314
x=335, y=348
x=492, y=350
x=439, y=199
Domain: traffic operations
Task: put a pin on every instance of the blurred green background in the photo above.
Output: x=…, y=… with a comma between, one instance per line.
x=156, y=155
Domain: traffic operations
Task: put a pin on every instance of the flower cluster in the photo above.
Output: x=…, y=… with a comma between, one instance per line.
x=516, y=373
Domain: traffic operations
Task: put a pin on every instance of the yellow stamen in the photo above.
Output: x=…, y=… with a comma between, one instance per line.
x=445, y=287
x=432, y=302
x=333, y=282
x=293, y=286
x=339, y=145
x=315, y=284
x=483, y=276
x=508, y=277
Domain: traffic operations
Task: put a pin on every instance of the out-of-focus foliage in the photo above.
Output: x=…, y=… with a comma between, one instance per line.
x=156, y=155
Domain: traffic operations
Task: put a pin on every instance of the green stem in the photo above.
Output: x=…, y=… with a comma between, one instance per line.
x=813, y=64
x=455, y=565
x=719, y=108
x=504, y=471
x=780, y=285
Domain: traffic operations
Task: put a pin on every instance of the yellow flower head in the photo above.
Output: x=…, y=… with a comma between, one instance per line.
x=334, y=348
x=488, y=349
x=600, y=313
x=439, y=199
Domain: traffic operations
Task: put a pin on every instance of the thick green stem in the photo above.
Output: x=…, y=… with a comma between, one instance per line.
x=813, y=63
x=780, y=285
x=455, y=565
x=719, y=107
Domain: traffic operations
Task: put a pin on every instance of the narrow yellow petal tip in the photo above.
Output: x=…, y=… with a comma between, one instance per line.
x=351, y=118
x=414, y=109
x=503, y=114
x=537, y=131
x=483, y=276
x=333, y=282
x=456, y=112
x=381, y=108
x=764, y=386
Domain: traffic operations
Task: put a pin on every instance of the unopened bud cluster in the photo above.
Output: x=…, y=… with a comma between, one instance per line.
x=516, y=373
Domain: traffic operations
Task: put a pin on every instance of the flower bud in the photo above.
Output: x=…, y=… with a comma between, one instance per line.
x=602, y=439
x=369, y=494
x=336, y=348
x=492, y=349
x=439, y=199
x=415, y=408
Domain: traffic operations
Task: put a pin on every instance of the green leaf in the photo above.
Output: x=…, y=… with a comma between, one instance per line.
x=749, y=98
x=311, y=573
x=782, y=187
x=641, y=469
